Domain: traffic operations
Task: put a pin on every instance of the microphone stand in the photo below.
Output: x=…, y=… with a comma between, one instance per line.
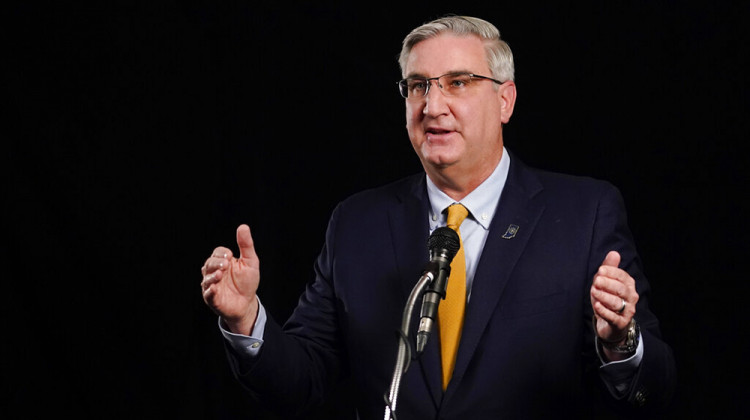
x=404, y=348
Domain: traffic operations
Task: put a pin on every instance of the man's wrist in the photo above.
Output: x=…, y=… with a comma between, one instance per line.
x=621, y=348
x=244, y=325
x=628, y=344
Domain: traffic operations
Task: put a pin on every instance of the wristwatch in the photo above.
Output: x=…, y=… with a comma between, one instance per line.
x=631, y=340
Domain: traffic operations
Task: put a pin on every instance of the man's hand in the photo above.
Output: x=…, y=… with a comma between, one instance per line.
x=613, y=298
x=229, y=284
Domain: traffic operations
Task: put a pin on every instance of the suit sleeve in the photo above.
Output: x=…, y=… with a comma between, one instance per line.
x=299, y=363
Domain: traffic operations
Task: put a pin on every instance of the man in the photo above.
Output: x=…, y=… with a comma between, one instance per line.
x=552, y=315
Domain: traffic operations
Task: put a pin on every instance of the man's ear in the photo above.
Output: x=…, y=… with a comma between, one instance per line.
x=507, y=94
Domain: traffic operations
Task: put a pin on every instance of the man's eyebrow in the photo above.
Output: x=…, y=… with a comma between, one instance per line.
x=423, y=76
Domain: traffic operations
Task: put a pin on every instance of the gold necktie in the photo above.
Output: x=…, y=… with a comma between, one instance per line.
x=451, y=311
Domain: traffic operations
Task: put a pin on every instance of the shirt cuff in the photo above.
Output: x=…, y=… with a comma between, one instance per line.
x=247, y=344
x=618, y=375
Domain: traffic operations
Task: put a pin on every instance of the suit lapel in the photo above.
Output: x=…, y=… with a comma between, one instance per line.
x=410, y=229
x=499, y=256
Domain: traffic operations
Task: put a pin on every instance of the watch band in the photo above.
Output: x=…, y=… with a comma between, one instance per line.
x=631, y=339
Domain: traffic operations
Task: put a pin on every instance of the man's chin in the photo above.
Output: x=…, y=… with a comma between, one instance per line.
x=438, y=164
x=439, y=157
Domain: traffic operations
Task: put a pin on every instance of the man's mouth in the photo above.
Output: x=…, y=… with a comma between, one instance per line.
x=436, y=131
x=437, y=134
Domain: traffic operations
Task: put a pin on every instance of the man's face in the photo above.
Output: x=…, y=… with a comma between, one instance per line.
x=455, y=136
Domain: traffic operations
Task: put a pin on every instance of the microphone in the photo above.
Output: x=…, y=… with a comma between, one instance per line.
x=443, y=245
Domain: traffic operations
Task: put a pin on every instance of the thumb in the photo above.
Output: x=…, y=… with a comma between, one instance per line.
x=245, y=242
x=612, y=259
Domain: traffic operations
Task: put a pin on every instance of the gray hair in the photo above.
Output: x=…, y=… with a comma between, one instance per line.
x=499, y=56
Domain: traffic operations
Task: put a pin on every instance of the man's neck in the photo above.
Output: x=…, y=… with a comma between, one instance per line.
x=457, y=182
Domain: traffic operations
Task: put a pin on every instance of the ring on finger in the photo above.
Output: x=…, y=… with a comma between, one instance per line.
x=622, y=308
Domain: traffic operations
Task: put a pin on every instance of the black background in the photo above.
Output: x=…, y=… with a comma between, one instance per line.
x=138, y=136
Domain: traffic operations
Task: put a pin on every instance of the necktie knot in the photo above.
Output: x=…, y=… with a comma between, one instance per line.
x=456, y=215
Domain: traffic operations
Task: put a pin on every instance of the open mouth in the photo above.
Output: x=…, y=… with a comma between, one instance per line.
x=436, y=131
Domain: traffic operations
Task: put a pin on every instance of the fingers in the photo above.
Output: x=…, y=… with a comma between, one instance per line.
x=245, y=242
x=612, y=284
x=612, y=259
x=210, y=279
x=208, y=294
x=610, y=312
x=229, y=284
x=219, y=260
x=613, y=293
x=615, y=282
x=214, y=267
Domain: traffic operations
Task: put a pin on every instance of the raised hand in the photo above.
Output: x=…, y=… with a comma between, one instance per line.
x=229, y=284
x=613, y=297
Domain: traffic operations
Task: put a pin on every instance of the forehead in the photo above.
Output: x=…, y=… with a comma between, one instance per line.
x=447, y=53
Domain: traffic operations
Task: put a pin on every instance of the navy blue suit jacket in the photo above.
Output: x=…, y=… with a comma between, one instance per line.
x=527, y=348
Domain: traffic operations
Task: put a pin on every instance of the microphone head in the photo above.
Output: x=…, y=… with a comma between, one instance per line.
x=443, y=240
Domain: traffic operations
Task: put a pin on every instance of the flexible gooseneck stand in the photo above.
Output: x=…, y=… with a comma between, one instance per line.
x=404, y=347
x=443, y=245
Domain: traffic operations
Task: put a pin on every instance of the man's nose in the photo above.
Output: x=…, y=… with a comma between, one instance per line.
x=435, y=102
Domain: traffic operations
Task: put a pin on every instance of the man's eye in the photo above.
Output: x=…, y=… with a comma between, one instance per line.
x=459, y=82
x=417, y=85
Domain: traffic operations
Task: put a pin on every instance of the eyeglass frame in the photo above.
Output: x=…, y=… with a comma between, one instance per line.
x=428, y=80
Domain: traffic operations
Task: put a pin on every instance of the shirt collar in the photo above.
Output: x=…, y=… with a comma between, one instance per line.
x=481, y=203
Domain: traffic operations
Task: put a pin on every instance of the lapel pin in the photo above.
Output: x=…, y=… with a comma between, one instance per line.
x=510, y=233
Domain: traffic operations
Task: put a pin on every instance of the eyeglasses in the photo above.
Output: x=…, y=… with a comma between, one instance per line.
x=451, y=84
